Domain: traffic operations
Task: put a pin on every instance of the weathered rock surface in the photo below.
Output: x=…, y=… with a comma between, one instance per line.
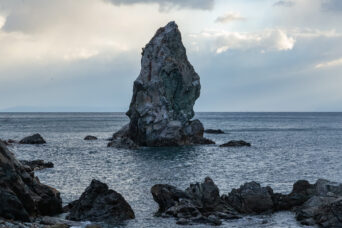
x=164, y=95
x=319, y=203
x=200, y=203
x=235, y=143
x=21, y=193
x=213, y=131
x=323, y=205
x=251, y=198
x=98, y=203
x=37, y=164
x=33, y=139
x=90, y=137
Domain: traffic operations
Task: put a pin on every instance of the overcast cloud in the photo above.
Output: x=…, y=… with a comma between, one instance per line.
x=251, y=56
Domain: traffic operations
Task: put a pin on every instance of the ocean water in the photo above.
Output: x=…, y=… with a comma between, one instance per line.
x=285, y=147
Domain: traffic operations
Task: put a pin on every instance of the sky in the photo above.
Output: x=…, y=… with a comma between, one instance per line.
x=251, y=55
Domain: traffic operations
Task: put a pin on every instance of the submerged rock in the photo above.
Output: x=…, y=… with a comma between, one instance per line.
x=123, y=143
x=33, y=139
x=90, y=137
x=98, y=203
x=21, y=193
x=37, y=164
x=164, y=95
x=235, y=143
x=213, y=131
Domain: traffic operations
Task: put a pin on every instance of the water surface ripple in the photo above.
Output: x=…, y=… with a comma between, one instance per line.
x=285, y=147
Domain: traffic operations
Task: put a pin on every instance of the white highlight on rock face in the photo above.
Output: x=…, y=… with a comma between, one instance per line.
x=333, y=63
x=229, y=17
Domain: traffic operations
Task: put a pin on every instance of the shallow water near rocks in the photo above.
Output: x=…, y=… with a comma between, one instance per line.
x=285, y=147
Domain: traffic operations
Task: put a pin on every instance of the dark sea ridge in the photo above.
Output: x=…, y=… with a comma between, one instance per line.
x=285, y=147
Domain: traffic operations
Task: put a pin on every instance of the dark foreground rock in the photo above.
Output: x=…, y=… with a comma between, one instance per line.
x=164, y=94
x=323, y=205
x=98, y=203
x=90, y=137
x=251, y=198
x=21, y=193
x=37, y=164
x=213, y=131
x=33, y=139
x=235, y=143
x=319, y=203
x=200, y=203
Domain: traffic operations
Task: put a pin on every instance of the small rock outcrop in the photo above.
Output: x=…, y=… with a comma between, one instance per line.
x=164, y=94
x=90, y=137
x=21, y=193
x=314, y=204
x=98, y=203
x=251, y=198
x=322, y=203
x=37, y=164
x=213, y=131
x=235, y=143
x=200, y=203
x=33, y=139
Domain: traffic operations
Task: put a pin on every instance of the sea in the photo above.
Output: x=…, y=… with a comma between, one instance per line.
x=286, y=147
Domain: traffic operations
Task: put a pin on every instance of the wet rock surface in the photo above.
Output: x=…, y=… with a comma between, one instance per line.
x=164, y=94
x=251, y=198
x=213, y=131
x=123, y=143
x=90, y=137
x=37, y=164
x=21, y=193
x=199, y=203
x=314, y=204
x=33, y=139
x=98, y=203
x=236, y=143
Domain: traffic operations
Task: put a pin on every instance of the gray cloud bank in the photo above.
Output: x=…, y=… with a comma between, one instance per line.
x=166, y=5
x=333, y=5
x=284, y=3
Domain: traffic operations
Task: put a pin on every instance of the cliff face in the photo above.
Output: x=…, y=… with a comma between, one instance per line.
x=164, y=94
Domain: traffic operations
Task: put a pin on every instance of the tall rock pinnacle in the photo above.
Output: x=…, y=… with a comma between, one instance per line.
x=164, y=95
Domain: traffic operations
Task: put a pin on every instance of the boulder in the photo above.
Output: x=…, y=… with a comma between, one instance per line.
x=330, y=214
x=90, y=137
x=235, y=143
x=251, y=198
x=322, y=203
x=213, y=131
x=98, y=203
x=21, y=193
x=37, y=164
x=199, y=203
x=33, y=139
x=164, y=94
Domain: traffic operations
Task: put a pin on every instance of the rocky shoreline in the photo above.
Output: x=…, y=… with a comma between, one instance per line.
x=201, y=203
